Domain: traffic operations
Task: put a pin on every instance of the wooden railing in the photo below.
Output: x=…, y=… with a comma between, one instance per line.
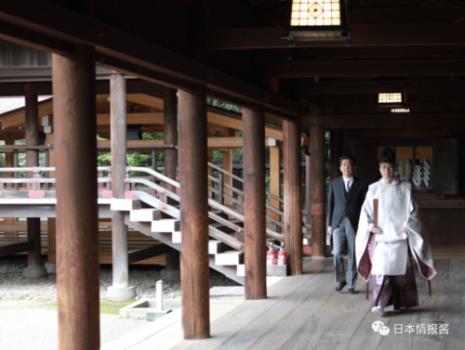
x=150, y=187
x=219, y=189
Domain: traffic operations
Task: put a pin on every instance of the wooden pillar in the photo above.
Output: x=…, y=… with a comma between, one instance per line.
x=317, y=188
x=254, y=203
x=119, y=290
x=194, y=212
x=9, y=163
x=76, y=187
x=275, y=182
x=170, y=130
x=308, y=199
x=34, y=267
x=209, y=160
x=228, y=180
x=51, y=222
x=292, y=198
x=335, y=152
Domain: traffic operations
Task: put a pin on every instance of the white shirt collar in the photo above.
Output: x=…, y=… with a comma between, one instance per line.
x=395, y=181
x=346, y=179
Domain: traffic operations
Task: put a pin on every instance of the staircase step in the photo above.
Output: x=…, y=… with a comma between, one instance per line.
x=124, y=204
x=215, y=247
x=144, y=215
x=240, y=270
x=231, y=257
x=165, y=225
x=176, y=237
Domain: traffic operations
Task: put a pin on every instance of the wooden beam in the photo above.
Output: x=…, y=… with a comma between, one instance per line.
x=31, y=24
x=44, y=87
x=17, y=88
x=18, y=117
x=236, y=124
x=225, y=142
x=14, y=247
x=392, y=122
x=147, y=100
x=140, y=118
x=254, y=203
x=369, y=68
x=362, y=35
x=133, y=144
x=213, y=142
x=433, y=86
x=148, y=252
x=76, y=179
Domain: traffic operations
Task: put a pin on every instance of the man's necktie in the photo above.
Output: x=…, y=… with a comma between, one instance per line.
x=348, y=184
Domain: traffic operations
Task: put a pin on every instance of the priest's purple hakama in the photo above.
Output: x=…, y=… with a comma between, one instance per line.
x=390, y=257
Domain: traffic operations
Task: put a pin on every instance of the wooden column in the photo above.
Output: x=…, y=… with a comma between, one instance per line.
x=119, y=290
x=9, y=163
x=292, y=199
x=34, y=267
x=335, y=152
x=170, y=131
x=194, y=212
x=228, y=180
x=254, y=203
x=275, y=182
x=76, y=187
x=317, y=188
x=51, y=222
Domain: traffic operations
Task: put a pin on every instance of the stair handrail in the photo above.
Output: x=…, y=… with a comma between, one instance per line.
x=223, y=195
x=162, y=190
x=225, y=172
x=214, y=204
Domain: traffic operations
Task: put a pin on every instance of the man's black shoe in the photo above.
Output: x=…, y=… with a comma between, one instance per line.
x=352, y=290
x=340, y=286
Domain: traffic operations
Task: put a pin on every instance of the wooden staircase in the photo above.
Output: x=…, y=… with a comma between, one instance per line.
x=154, y=223
x=151, y=206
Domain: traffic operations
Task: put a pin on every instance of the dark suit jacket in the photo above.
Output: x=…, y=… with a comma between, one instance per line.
x=341, y=203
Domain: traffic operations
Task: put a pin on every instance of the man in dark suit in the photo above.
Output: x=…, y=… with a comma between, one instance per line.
x=345, y=199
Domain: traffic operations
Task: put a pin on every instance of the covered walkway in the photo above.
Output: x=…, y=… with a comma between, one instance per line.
x=304, y=312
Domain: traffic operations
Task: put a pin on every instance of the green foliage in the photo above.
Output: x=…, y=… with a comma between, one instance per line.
x=152, y=136
x=214, y=102
x=139, y=159
x=142, y=159
x=217, y=157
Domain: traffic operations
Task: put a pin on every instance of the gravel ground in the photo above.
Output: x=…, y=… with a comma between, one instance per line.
x=28, y=314
x=30, y=326
x=13, y=286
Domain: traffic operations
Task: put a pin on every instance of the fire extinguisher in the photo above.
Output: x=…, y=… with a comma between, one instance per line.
x=282, y=256
x=271, y=256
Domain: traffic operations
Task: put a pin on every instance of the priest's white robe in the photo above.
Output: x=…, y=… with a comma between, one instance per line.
x=396, y=210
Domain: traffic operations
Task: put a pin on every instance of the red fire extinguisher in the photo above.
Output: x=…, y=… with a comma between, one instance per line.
x=271, y=255
x=282, y=256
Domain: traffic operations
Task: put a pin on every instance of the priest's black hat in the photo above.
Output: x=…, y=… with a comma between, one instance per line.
x=388, y=155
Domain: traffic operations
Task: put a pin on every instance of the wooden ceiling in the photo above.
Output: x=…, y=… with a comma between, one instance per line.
x=416, y=47
x=413, y=46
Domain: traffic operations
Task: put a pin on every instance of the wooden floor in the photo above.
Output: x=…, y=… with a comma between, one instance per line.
x=304, y=312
